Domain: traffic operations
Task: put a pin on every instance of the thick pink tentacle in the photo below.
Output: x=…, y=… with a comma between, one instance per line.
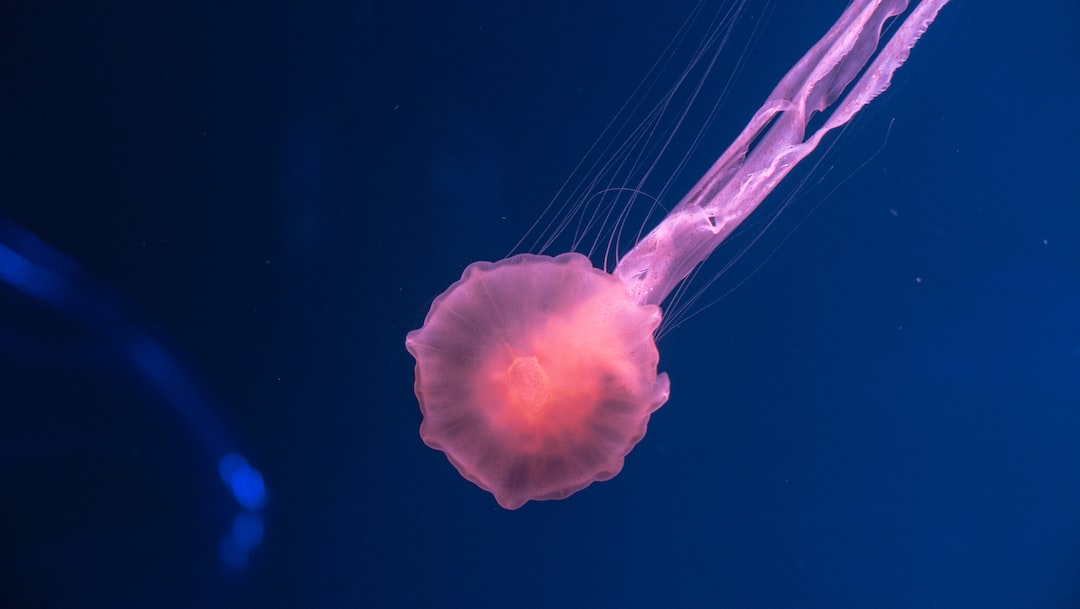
x=775, y=141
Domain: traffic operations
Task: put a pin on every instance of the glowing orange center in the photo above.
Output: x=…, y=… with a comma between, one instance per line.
x=528, y=383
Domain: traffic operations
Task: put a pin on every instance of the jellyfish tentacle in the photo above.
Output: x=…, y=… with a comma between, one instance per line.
x=775, y=141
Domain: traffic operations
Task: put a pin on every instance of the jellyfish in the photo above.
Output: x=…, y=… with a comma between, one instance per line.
x=537, y=375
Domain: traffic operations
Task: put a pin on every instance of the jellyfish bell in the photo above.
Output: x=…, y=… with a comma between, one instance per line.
x=537, y=375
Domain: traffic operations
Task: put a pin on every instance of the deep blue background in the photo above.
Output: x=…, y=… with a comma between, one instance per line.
x=886, y=414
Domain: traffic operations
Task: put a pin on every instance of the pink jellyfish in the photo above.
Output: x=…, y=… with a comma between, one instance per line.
x=537, y=375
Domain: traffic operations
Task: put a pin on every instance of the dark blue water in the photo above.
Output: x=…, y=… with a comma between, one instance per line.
x=241, y=208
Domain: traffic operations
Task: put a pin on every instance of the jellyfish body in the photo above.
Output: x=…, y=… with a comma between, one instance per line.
x=536, y=375
x=539, y=375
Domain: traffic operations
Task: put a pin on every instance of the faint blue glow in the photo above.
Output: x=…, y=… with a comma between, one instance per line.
x=245, y=482
x=248, y=529
x=246, y=534
x=231, y=556
x=151, y=359
x=47, y=275
x=26, y=276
